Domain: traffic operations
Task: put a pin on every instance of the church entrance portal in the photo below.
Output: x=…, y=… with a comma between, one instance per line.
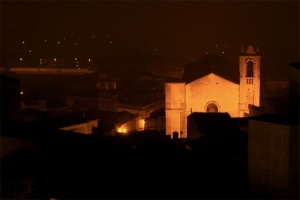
x=212, y=108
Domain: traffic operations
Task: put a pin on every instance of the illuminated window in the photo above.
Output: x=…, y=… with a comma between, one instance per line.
x=250, y=69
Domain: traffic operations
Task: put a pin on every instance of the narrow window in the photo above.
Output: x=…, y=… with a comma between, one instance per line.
x=250, y=69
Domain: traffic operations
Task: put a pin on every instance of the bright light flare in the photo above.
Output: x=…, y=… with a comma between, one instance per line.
x=122, y=130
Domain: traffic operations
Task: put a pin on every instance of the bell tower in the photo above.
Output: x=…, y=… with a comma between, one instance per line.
x=175, y=109
x=249, y=79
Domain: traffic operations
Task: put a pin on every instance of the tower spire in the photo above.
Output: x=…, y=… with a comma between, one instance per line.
x=250, y=50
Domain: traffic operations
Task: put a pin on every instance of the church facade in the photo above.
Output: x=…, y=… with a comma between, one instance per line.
x=213, y=84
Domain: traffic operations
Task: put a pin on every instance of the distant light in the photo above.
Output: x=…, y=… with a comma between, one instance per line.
x=93, y=36
x=216, y=45
x=122, y=130
x=57, y=42
x=223, y=52
x=45, y=40
x=75, y=58
x=21, y=93
x=110, y=42
x=76, y=65
x=23, y=42
x=29, y=51
x=54, y=59
x=89, y=60
x=75, y=43
x=41, y=59
x=21, y=59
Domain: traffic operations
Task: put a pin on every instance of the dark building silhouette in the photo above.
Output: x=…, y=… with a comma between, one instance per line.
x=294, y=88
x=10, y=96
x=210, y=125
x=273, y=149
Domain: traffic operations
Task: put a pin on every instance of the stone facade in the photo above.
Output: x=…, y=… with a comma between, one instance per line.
x=212, y=92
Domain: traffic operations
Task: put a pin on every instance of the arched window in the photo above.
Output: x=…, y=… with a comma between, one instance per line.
x=212, y=108
x=250, y=69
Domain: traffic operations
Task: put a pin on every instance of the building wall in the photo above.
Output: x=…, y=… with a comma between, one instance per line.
x=212, y=89
x=175, y=109
x=193, y=129
x=277, y=84
x=85, y=128
x=155, y=123
x=41, y=105
x=107, y=104
x=82, y=103
x=135, y=124
x=271, y=165
x=132, y=110
x=294, y=76
x=10, y=96
x=143, y=111
x=249, y=86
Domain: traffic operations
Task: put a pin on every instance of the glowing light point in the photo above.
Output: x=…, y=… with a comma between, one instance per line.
x=23, y=42
x=89, y=60
x=21, y=93
x=54, y=59
x=58, y=42
x=21, y=59
x=29, y=51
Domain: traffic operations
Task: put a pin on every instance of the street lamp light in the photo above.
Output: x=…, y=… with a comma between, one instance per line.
x=90, y=63
x=21, y=63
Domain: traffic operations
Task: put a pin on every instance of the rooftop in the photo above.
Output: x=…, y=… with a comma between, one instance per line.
x=211, y=64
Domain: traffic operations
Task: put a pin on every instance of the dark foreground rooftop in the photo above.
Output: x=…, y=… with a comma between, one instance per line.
x=66, y=165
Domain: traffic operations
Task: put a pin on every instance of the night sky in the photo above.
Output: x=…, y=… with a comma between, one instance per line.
x=175, y=30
